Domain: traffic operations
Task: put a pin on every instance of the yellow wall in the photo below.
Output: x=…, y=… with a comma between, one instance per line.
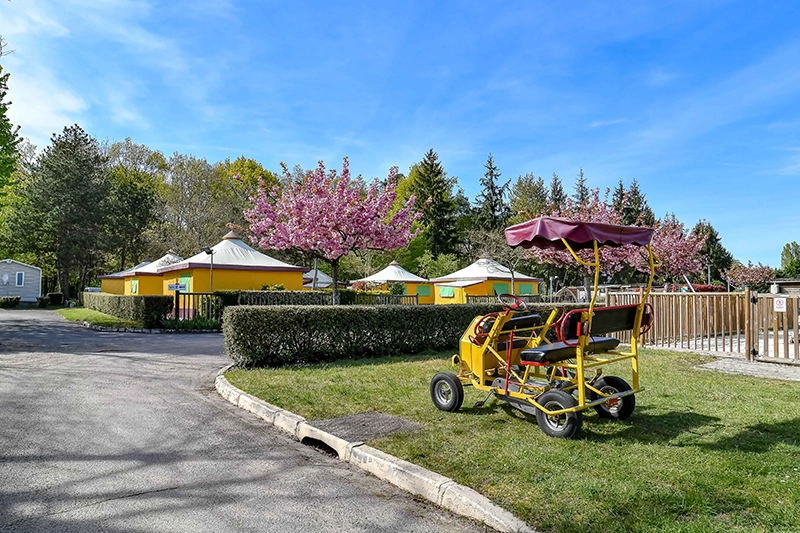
x=113, y=285
x=485, y=288
x=233, y=280
x=411, y=290
x=147, y=285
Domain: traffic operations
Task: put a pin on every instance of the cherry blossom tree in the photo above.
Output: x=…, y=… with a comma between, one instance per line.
x=753, y=276
x=677, y=249
x=330, y=215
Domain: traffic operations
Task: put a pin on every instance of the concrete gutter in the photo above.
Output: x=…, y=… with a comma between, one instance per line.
x=434, y=487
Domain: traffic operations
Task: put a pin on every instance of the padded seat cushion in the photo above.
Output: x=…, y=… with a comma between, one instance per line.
x=518, y=343
x=558, y=351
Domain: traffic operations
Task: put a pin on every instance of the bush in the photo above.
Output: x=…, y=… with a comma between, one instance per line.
x=284, y=298
x=275, y=336
x=278, y=287
x=150, y=311
x=196, y=323
x=9, y=302
x=56, y=298
x=42, y=301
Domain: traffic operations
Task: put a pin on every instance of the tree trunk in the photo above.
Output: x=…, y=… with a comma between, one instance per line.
x=63, y=281
x=335, y=276
x=587, y=284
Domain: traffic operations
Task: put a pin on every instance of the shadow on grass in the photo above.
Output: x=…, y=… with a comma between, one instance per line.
x=761, y=437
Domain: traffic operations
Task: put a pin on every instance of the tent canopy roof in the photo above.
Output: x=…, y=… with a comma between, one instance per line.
x=122, y=273
x=482, y=270
x=394, y=273
x=547, y=232
x=232, y=253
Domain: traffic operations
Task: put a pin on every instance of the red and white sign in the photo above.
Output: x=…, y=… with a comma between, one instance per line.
x=779, y=305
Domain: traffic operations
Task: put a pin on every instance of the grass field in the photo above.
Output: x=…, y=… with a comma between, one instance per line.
x=703, y=452
x=79, y=314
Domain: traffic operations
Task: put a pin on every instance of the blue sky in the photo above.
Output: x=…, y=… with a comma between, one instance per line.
x=698, y=101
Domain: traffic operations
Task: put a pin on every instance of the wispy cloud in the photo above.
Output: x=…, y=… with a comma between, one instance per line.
x=602, y=123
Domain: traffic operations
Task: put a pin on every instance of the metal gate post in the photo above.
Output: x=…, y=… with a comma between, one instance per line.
x=177, y=305
x=748, y=325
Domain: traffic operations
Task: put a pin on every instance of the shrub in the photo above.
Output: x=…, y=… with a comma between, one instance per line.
x=150, y=311
x=284, y=298
x=278, y=287
x=9, y=302
x=275, y=336
x=56, y=298
x=42, y=301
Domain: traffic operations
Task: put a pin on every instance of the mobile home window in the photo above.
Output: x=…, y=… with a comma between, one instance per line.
x=423, y=290
x=20, y=279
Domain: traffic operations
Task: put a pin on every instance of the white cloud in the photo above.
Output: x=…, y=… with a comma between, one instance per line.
x=42, y=105
x=601, y=123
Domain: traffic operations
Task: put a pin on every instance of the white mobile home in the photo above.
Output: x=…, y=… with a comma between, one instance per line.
x=19, y=279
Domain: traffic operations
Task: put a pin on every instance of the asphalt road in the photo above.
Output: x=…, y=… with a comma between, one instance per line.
x=124, y=433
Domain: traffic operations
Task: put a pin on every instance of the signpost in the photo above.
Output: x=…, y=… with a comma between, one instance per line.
x=779, y=305
x=176, y=287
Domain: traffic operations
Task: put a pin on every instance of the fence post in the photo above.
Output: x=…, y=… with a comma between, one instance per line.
x=748, y=326
x=177, y=305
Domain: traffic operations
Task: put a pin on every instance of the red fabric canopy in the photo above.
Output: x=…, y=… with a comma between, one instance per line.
x=547, y=232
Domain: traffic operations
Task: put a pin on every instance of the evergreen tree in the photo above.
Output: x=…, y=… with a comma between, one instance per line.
x=490, y=205
x=715, y=254
x=618, y=197
x=557, y=195
x=63, y=208
x=637, y=210
x=434, y=199
x=791, y=252
x=528, y=198
x=582, y=194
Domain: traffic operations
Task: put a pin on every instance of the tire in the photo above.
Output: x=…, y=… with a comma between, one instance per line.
x=447, y=392
x=562, y=426
x=620, y=409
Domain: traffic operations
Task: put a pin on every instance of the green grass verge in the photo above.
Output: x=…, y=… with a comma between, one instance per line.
x=703, y=452
x=80, y=314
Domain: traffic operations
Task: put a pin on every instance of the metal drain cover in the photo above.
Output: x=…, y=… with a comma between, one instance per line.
x=365, y=426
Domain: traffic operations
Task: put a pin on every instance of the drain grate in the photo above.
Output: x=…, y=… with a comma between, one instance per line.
x=365, y=426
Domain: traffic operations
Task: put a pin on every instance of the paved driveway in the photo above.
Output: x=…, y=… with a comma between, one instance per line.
x=124, y=433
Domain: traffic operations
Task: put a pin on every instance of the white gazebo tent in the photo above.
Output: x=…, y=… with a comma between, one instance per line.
x=393, y=273
x=323, y=280
x=484, y=277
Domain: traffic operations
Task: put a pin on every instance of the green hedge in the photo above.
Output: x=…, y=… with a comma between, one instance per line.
x=257, y=336
x=9, y=302
x=150, y=311
x=282, y=298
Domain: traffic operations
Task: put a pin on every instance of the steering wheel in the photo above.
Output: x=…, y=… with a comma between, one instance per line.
x=518, y=303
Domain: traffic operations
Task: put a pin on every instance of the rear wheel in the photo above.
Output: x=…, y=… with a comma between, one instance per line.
x=618, y=408
x=447, y=392
x=563, y=425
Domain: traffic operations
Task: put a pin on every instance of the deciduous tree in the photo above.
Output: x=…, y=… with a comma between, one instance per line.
x=790, y=252
x=528, y=198
x=9, y=135
x=330, y=216
x=756, y=277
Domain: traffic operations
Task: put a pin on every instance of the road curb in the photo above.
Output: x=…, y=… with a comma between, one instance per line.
x=95, y=327
x=419, y=481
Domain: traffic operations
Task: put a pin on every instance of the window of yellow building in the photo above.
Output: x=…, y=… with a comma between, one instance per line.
x=186, y=279
x=424, y=290
x=526, y=288
x=501, y=288
x=134, y=286
x=447, y=292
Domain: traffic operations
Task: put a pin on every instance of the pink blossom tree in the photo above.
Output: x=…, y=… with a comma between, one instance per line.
x=330, y=215
x=677, y=249
x=754, y=276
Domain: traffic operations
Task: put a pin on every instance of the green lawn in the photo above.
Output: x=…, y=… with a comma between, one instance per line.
x=703, y=452
x=80, y=314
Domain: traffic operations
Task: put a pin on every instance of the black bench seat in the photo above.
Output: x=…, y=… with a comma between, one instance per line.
x=559, y=351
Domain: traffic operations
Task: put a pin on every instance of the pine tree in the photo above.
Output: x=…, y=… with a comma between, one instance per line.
x=618, y=197
x=528, y=198
x=715, y=254
x=9, y=137
x=490, y=204
x=434, y=199
x=582, y=194
x=557, y=195
x=636, y=209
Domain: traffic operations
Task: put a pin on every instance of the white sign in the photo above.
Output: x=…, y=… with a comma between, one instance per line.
x=779, y=305
x=176, y=287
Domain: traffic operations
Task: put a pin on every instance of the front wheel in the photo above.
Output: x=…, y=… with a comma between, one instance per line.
x=618, y=408
x=563, y=425
x=447, y=392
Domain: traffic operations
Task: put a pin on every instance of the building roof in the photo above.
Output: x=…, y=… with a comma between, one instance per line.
x=122, y=273
x=233, y=254
x=484, y=269
x=323, y=280
x=459, y=284
x=394, y=273
x=21, y=263
x=152, y=268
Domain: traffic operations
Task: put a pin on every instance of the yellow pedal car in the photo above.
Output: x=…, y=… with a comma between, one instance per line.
x=508, y=354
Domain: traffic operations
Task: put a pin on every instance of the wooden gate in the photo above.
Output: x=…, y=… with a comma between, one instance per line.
x=773, y=335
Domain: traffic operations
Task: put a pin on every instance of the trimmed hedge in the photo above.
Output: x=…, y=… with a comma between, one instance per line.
x=56, y=298
x=258, y=336
x=283, y=298
x=150, y=311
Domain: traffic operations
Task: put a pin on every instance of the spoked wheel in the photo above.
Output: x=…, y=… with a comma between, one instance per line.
x=564, y=425
x=447, y=392
x=618, y=408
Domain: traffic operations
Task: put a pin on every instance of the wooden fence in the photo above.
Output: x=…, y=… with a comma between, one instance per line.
x=747, y=323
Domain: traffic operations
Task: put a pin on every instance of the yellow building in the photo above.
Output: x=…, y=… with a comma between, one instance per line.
x=484, y=277
x=115, y=283
x=230, y=265
x=147, y=279
x=412, y=284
